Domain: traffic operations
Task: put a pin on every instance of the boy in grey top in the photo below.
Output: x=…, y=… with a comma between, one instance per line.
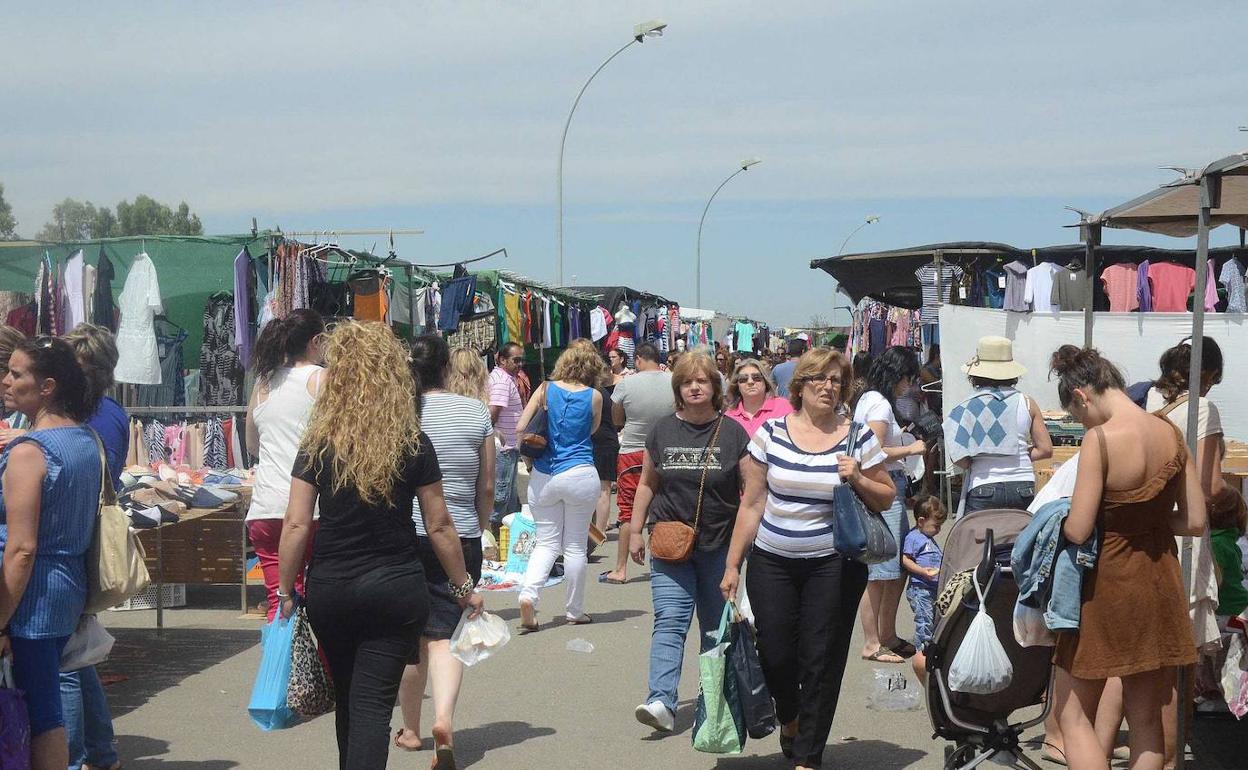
x=638, y=403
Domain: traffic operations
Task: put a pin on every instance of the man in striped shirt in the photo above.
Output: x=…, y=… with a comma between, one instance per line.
x=505, y=408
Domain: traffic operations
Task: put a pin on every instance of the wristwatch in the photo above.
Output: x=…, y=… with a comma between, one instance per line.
x=459, y=592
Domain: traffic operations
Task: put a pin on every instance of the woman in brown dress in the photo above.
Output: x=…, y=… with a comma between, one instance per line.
x=1133, y=624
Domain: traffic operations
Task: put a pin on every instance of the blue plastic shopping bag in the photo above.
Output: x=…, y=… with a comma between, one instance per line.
x=268, y=707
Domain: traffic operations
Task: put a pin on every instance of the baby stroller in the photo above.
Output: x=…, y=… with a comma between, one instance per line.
x=979, y=725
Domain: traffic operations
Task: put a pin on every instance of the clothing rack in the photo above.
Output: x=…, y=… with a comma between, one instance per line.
x=150, y=410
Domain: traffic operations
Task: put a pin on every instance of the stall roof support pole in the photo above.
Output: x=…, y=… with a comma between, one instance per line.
x=1091, y=239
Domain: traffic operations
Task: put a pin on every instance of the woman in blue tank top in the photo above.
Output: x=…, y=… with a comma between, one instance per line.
x=563, y=489
x=50, y=484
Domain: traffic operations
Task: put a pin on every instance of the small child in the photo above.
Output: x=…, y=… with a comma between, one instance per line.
x=921, y=557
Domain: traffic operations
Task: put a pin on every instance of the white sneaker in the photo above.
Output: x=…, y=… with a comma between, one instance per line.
x=656, y=715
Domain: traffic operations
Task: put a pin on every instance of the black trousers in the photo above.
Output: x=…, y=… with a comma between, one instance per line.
x=368, y=627
x=804, y=631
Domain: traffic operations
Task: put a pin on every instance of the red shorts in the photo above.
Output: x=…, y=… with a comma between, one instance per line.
x=627, y=475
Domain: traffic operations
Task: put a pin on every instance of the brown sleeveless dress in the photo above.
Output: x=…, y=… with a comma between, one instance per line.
x=1133, y=617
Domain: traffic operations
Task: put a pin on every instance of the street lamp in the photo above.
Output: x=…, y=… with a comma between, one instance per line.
x=869, y=221
x=745, y=165
x=653, y=28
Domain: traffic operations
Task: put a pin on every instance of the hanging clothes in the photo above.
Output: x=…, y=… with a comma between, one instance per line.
x=1121, y=287
x=1170, y=284
x=1232, y=277
x=1144, y=290
x=1070, y=290
x=1015, y=287
x=220, y=370
x=139, y=361
x=73, y=304
x=171, y=391
x=370, y=301
x=244, y=305
x=103, y=313
x=927, y=275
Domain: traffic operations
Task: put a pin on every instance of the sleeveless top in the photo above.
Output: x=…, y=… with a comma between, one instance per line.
x=280, y=421
x=570, y=415
x=69, y=502
x=996, y=469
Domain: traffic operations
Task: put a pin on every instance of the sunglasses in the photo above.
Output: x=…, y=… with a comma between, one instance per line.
x=749, y=378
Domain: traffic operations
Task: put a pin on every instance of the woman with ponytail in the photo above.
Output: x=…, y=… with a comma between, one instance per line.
x=288, y=375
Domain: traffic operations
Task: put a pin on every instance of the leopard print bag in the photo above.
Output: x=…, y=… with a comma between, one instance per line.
x=311, y=691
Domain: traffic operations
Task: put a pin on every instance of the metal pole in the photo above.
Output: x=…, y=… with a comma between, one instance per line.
x=1091, y=239
x=563, y=139
x=697, y=281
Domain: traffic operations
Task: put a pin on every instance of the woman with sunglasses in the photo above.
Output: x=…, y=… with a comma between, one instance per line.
x=50, y=483
x=753, y=396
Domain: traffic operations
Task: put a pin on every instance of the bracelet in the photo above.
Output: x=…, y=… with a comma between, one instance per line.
x=281, y=595
x=459, y=592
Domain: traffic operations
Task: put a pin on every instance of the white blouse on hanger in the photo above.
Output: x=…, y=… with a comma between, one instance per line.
x=138, y=361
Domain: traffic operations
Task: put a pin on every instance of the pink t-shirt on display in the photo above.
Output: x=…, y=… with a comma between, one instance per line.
x=1120, y=288
x=1172, y=284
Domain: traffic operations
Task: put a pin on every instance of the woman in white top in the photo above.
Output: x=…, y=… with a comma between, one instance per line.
x=454, y=416
x=890, y=375
x=999, y=458
x=806, y=623
x=288, y=376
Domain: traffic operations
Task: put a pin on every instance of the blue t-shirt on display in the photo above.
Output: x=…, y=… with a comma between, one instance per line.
x=924, y=552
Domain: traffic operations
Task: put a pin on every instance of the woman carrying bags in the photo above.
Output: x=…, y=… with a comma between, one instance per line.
x=806, y=623
x=692, y=475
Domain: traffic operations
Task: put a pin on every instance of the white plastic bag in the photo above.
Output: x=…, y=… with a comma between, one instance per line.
x=477, y=639
x=981, y=665
x=891, y=690
x=89, y=645
x=1030, y=630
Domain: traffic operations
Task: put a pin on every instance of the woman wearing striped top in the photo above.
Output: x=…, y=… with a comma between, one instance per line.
x=50, y=479
x=459, y=426
x=805, y=626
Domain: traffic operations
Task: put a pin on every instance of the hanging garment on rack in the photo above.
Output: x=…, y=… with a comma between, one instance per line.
x=220, y=371
x=88, y=290
x=154, y=434
x=1170, y=285
x=103, y=312
x=457, y=297
x=1232, y=277
x=369, y=299
x=214, y=444
x=547, y=339
x=73, y=304
x=139, y=361
x=171, y=391
x=43, y=298
x=476, y=333
x=1121, y=287
x=244, y=305
x=24, y=319
x=1070, y=287
x=992, y=282
x=1039, y=289
x=927, y=276
x=13, y=300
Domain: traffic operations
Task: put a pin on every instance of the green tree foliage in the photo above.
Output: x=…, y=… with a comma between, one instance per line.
x=75, y=221
x=8, y=225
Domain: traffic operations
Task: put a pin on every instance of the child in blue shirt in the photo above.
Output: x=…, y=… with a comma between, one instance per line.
x=921, y=556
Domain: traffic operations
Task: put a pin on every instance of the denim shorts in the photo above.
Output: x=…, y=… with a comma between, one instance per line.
x=1003, y=494
x=898, y=523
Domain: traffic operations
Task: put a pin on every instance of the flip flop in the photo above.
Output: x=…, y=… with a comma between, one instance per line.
x=443, y=758
x=904, y=649
x=398, y=734
x=879, y=656
x=602, y=578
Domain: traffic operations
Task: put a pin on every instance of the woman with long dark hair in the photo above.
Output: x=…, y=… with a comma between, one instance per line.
x=50, y=482
x=286, y=363
x=890, y=375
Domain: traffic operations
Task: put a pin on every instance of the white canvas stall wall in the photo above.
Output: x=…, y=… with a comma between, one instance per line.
x=1133, y=341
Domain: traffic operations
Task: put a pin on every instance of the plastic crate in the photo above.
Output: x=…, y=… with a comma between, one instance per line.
x=172, y=595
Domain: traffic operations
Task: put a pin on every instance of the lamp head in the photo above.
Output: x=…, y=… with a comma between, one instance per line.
x=652, y=28
x=750, y=162
x=872, y=219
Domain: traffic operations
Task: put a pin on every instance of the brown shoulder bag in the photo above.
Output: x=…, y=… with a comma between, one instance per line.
x=674, y=540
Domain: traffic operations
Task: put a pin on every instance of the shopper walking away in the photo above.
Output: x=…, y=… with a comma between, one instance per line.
x=286, y=363
x=563, y=487
x=459, y=426
x=996, y=433
x=505, y=408
x=367, y=598
x=752, y=396
x=807, y=622
x=1133, y=470
x=88, y=721
x=49, y=495
x=694, y=472
x=890, y=375
x=637, y=405
x=784, y=371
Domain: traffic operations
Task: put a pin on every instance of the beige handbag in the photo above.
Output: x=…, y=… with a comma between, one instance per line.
x=115, y=567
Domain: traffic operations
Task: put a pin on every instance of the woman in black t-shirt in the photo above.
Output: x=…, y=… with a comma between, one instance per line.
x=366, y=595
x=695, y=442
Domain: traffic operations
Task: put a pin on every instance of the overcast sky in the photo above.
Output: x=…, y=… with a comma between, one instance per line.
x=950, y=120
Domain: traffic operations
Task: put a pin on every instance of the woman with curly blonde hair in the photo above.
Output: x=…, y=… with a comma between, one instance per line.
x=563, y=488
x=467, y=375
x=367, y=599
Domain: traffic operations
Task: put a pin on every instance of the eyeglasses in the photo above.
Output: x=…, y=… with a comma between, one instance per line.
x=831, y=380
x=518, y=359
x=750, y=378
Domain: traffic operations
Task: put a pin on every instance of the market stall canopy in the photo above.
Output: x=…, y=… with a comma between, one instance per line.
x=1172, y=208
x=611, y=296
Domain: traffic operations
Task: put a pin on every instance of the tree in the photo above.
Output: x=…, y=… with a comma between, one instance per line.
x=8, y=225
x=71, y=221
x=76, y=221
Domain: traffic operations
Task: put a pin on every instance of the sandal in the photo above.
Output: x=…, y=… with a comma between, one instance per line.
x=602, y=578
x=443, y=759
x=882, y=655
x=399, y=734
x=904, y=649
x=527, y=609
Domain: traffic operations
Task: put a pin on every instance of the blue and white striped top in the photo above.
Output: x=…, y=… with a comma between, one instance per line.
x=797, y=520
x=57, y=590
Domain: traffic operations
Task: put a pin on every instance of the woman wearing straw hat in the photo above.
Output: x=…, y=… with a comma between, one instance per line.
x=996, y=433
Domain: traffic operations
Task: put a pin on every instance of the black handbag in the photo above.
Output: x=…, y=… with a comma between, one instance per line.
x=536, y=434
x=860, y=534
x=756, y=704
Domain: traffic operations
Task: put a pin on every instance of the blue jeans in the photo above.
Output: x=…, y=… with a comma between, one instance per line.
x=1005, y=494
x=506, y=499
x=922, y=599
x=88, y=723
x=677, y=590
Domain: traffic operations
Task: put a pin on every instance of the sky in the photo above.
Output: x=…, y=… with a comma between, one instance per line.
x=950, y=121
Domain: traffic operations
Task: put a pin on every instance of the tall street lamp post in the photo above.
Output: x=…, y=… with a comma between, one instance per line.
x=745, y=165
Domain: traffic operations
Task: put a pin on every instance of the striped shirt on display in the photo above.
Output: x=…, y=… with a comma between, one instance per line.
x=457, y=426
x=797, y=520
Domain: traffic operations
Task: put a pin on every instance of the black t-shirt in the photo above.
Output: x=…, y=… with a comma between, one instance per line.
x=678, y=451
x=354, y=537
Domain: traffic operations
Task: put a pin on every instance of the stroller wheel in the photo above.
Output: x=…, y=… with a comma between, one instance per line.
x=957, y=756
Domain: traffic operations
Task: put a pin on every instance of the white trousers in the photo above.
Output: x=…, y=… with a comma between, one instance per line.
x=562, y=506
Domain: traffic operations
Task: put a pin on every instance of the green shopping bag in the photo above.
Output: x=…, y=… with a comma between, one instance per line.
x=719, y=724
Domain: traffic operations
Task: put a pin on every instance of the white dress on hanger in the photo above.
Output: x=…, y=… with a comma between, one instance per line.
x=138, y=361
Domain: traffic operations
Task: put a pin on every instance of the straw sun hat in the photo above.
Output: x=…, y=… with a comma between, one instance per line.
x=994, y=360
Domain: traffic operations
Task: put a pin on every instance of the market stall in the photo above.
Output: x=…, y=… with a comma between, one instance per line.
x=634, y=317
